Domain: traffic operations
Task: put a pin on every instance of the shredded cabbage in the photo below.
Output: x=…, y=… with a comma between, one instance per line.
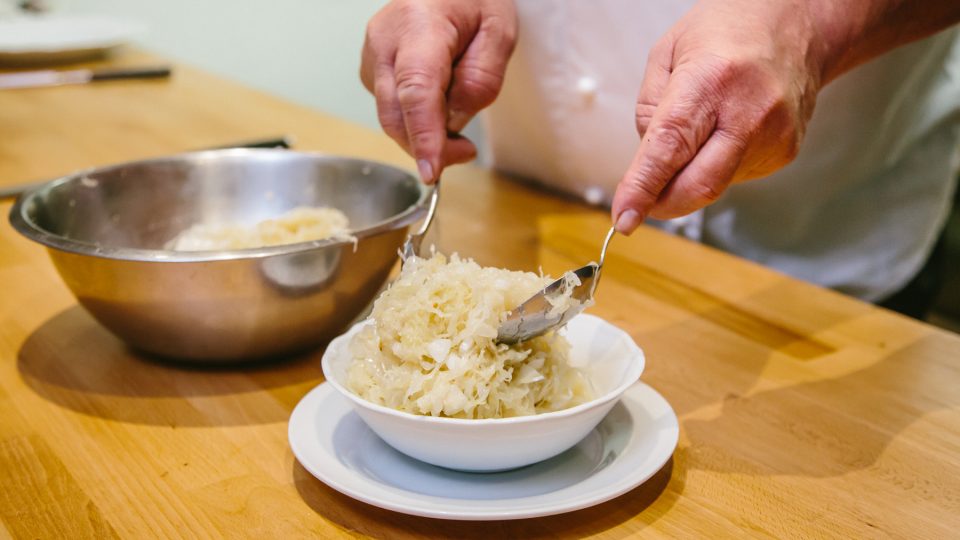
x=300, y=224
x=430, y=349
x=562, y=300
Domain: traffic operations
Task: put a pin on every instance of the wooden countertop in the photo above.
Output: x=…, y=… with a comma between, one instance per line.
x=803, y=413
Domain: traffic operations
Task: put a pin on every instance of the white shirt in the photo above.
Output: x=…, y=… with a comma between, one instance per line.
x=859, y=209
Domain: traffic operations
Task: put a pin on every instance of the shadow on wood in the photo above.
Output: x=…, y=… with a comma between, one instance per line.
x=369, y=520
x=74, y=362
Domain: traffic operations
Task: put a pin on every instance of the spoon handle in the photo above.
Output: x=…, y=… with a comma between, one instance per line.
x=412, y=246
x=603, y=256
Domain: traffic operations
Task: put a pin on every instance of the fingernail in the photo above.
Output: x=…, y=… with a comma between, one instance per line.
x=426, y=170
x=628, y=222
x=458, y=120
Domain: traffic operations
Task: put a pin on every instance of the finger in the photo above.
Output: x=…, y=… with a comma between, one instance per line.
x=458, y=149
x=478, y=74
x=655, y=79
x=367, y=64
x=703, y=180
x=389, y=112
x=422, y=73
x=681, y=124
x=377, y=74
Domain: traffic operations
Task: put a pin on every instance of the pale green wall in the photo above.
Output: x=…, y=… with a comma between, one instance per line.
x=305, y=51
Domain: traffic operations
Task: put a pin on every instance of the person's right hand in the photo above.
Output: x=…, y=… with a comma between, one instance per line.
x=726, y=97
x=432, y=65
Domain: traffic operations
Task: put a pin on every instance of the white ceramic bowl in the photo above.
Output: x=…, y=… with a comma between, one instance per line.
x=608, y=355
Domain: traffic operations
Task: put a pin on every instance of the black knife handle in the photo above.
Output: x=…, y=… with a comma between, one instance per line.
x=154, y=72
x=285, y=142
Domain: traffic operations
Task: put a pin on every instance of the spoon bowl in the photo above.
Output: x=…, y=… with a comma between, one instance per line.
x=541, y=314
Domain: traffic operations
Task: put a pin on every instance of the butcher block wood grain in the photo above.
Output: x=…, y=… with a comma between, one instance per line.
x=803, y=413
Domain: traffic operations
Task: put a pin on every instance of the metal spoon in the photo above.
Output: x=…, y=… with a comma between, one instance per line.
x=531, y=318
x=411, y=247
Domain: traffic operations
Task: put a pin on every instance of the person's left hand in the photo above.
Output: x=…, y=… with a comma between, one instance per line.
x=726, y=97
x=432, y=65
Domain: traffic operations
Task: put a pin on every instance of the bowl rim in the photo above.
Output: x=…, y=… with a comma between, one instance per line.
x=637, y=365
x=26, y=227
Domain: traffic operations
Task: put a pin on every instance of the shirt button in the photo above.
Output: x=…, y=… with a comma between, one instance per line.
x=587, y=88
x=594, y=195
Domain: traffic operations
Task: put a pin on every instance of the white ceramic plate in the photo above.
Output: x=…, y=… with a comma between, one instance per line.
x=631, y=444
x=61, y=38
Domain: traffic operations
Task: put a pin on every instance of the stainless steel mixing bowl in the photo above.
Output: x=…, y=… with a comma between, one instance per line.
x=106, y=229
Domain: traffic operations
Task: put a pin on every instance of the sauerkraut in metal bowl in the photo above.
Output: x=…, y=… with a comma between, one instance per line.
x=300, y=224
x=429, y=348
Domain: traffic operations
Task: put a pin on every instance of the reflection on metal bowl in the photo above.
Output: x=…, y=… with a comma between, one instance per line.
x=107, y=227
x=300, y=272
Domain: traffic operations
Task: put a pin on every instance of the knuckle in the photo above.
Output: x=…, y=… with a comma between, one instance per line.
x=661, y=49
x=643, y=114
x=502, y=29
x=639, y=188
x=716, y=74
x=775, y=107
x=392, y=125
x=706, y=191
x=655, y=53
x=645, y=182
x=368, y=75
x=419, y=132
x=658, y=166
x=405, y=8
x=739, y=141
x=724, y=68
x=509, y=37
x=422, y=138
x=415, y=85
x=673, y=139
x=377, y=32
x=372, y=32
x=366, y=78
x=479, y=85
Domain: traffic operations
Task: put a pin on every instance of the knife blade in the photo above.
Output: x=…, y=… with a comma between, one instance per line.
x=52, y=77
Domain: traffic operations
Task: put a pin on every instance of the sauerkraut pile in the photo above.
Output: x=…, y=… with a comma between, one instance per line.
x=297, y=225
x=430, y=348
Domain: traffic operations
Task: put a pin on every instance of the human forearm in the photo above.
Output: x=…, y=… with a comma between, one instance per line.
x=855, y=31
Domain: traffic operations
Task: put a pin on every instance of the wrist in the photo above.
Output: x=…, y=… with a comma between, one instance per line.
x=836, y=25
x=854, y=31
